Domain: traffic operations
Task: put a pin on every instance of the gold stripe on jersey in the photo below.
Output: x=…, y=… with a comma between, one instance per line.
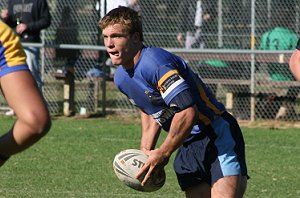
x=13, y=50
x=161, y=81
x=204, y=97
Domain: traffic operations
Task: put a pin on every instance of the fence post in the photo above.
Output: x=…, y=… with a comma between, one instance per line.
x=252, y=105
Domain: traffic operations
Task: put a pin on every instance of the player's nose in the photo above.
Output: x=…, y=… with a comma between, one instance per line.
x=109, y=42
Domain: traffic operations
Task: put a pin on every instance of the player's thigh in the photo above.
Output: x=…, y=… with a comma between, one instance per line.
x=229, y=187
x=22, y=94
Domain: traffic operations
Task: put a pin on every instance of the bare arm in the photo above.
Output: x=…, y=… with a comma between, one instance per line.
x=181, y=127
x=150, y=132
x=295, y=64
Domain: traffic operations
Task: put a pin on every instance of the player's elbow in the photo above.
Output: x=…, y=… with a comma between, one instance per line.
x=191, y=113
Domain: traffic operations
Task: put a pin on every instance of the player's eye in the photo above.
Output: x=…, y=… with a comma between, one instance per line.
x=117, y=36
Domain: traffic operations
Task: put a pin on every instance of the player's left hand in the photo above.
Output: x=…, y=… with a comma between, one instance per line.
x=156, y=161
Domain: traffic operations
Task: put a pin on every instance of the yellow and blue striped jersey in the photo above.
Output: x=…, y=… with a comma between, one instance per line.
x=12, y=55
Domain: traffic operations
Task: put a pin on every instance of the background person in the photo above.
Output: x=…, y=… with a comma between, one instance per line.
x=22, y=95
x=211, y=151
x=194, y=17
x=281, y=38
x=108, y=5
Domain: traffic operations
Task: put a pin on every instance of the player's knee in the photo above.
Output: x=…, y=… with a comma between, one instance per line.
x=42, y=125
x=39, y=124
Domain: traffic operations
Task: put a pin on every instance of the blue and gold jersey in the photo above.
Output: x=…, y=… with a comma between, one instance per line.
x=157, y=78
x=12, y=55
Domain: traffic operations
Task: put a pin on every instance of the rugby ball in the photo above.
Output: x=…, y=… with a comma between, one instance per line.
x=127, y=164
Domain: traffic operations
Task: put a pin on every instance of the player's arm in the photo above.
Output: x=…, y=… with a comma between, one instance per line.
x=181, y=126
x=150, y=132
x=295, y=64
x=182, y=122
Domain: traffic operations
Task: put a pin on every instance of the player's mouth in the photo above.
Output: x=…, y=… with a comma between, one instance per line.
x=115, y=54
x=115, y=57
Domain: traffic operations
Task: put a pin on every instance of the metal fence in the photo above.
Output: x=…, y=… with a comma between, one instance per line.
x=244, y=59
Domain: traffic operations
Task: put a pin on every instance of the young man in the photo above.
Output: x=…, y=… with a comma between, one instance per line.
x=211, y=155
x=22, y=95
x=295, y=62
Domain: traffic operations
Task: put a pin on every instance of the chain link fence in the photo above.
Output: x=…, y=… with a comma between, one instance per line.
x=246, y=45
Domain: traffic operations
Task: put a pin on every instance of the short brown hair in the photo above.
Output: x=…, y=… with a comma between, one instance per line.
x=129, y=18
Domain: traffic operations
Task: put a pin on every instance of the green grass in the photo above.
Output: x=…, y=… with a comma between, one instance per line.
x=75, y=160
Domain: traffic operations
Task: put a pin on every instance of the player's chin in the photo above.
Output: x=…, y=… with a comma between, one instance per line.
x=116, y=61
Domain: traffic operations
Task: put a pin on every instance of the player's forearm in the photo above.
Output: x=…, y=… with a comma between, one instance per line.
x=150, y=132
x=181, y=127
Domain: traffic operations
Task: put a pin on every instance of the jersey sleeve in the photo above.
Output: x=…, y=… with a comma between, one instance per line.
x=170, y=83
x=12, y=50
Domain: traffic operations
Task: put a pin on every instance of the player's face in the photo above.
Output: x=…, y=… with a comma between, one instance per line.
x=121, y=46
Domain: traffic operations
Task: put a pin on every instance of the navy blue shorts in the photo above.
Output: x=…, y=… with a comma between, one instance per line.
x=218, y=151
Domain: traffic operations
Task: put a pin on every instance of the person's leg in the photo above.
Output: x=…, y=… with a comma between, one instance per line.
x=33, y=119
x=230, y=187
x=198, y=40
x=226, y=187
x=33, y=56
x=189, y=39
x=231, y=162
x=191, y=165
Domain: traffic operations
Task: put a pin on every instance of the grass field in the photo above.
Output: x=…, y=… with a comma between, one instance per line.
x=75, y=160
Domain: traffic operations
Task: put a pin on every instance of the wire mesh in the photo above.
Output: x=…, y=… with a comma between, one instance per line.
x=268, y=28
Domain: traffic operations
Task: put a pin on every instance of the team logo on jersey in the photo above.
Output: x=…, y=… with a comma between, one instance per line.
x=168, y=82
x=163, y=116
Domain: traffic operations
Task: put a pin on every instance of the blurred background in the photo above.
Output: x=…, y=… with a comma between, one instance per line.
x=243, y=56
